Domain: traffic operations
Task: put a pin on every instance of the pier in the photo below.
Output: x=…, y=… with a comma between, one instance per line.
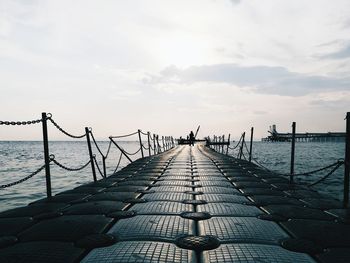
x=188, y=204
x=178, y=204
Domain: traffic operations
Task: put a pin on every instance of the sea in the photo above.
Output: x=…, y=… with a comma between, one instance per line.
x=18, y=159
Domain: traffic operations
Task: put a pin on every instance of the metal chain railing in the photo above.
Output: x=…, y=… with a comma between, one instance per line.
x=327, y=175
x=52, y=159
x=23, y=179
x=123, y=136
x=20, y=122
x=98, y=167
x=65, y=132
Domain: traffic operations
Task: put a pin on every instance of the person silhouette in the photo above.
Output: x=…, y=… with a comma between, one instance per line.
x=191, y=138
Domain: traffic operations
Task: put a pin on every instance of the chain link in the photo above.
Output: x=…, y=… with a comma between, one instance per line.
x=52, y=159
x=63, y=131
x=23, y=179
x=20, y=122
x=98, y=167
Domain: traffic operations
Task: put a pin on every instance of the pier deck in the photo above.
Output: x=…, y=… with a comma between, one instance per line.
x=188, y=204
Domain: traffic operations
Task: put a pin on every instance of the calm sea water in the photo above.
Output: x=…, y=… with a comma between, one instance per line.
x=18, y=159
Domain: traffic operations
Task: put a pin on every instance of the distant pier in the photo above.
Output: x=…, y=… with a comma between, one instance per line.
x=304, y=137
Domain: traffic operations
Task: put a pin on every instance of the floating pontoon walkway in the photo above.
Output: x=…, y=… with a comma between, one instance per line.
x=188, y=204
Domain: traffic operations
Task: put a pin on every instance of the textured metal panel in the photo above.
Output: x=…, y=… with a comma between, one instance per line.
x=145, y=252
x=162, y=207
x=144, y=227
x=242, y=229
x=249, y=253
x=215, y=198
x=229, y=209
x=165, y=196
x=219, y=190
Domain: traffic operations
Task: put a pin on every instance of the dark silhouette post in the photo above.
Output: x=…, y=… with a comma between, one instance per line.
x=141, y=146
x=251, y=144
x=292, y=154
x=104, y=166
x=154, y=144
x=228, y=143
x=90, y=153
x=163, y=144
x=46, y=155
x=222, y=146
x=241, y=148
x=347, y=162
x=149, y=143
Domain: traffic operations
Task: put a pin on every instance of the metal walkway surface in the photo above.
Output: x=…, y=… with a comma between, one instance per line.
x=188, y=204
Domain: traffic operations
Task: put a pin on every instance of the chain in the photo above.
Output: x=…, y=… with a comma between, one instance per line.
x=20, y=122
x=123, y=136
x=63, y=131
x=52, y=158
x=23, y=179
x=327, y=175
x=120, y=158
x=132, y=153
x=143, y=133
x=98, y=167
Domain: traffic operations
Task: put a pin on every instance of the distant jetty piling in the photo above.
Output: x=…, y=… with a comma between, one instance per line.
x=185, y=204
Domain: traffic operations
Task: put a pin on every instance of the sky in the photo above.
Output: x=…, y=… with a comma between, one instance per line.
x=168, y=66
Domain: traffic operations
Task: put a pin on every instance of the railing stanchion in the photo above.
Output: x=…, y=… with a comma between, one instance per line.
x=90, y=153
x=222, y=146
x=154, y=144
x=292, y=157
x=347, y=162
x=158, y=146
x=228, y=143
x=149, y=143
x=141, y=147
x=104, y=166
x=46, y=155
x=241, y=148
x=251, y=144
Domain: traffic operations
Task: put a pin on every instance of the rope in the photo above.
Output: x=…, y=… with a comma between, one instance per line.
x=98, y=167
x=20, y=122
x=327, y=175
x=123, y=136
x=52, y=158
x=23, y=179
x=120, y=158
x=64, y=132
x=143, y=133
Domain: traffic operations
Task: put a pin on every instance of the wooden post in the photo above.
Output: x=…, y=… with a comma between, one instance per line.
x=347, y=162
x=141, y=147
x=251, y=144
x=90, y=153
x=154, y=144
x=228, y=143
x=46, y=155
x=292, y=157
x=149, y=143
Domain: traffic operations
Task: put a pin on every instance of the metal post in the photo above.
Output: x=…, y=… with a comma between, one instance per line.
x=90, y=153
x=163, y=143
x=104, y=166
x=228, y=143
x=292, y=154
x=251, y=144
x=46, y=155
x=149, y=143
x=222, y=146
x=241, y=148
x=347, y=162
x=120, y=149
x=154, y=144
x=159, y=150
x=141, y=147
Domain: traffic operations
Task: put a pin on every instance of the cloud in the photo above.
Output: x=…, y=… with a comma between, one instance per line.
x=235, y=2
x=340, y=54
x=261, y=79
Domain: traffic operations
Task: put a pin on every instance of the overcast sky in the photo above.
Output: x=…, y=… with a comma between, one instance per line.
x=168, y=66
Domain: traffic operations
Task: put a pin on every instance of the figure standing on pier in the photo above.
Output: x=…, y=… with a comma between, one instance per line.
x=191, y=138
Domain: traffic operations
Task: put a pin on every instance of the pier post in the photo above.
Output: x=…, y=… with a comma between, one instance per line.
x=163, y=144
x=159, y=150
x=241, y=148
x=251, y=144
x=46, y=155
x=222, y=146
x=228, y=143
x=149, y=143
x=292, y=157
x=90, y=153
x=104, y=166
x=154, y=144
x=141, y=147
x=347, y=162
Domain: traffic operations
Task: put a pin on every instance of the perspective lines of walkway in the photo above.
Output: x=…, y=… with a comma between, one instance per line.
x=188, y=204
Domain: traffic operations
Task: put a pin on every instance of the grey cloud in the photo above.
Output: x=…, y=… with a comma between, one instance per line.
x=235, y=2
x=340, y=54
x=263, y=79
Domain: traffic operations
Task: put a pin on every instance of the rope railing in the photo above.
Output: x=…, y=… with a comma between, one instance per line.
x=74, y=169
x=23, y=179
x=123, y=136
x=63, y=131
